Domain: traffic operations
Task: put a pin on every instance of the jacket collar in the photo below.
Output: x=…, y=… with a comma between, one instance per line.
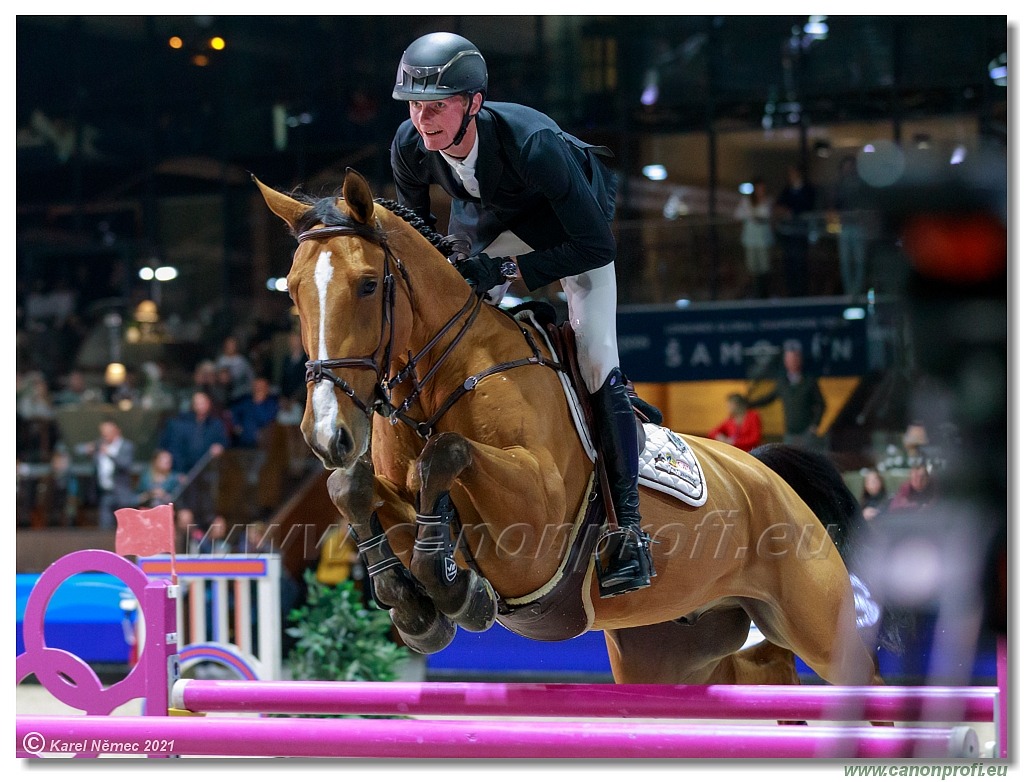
x=488, y=164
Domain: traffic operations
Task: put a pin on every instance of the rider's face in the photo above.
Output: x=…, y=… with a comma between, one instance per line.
x=437, y=121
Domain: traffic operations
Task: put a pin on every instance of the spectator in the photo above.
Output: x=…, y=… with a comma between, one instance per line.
x=192, y=435
x=803, y=405
x=253, y=414
x=159, y=484
x=742, y=427
x=918, y=491
x=253, y=418
x=793, y=207
x=757, y=236
x=36, y=430
x=204, y=378
x=193, y=438
x=241, y=372
x=215, y=540
x=113, y=458
x=59, y=493
x=33, y=398
x=189, y=533
x=76, y=391
x=874, y=498
x=223, y=387
x=156, y=395
x=915, y=441
x=848, y=204
x=290, y=373
x=258, y=539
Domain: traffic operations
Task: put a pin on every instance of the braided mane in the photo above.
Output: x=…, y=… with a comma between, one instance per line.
x=325, y=211
x=444, y=244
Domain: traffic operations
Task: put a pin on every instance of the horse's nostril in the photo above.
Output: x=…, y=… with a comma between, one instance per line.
x=342, y=442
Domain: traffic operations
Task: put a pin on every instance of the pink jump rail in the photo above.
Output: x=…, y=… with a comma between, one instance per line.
x=774, y=702
x=296, y=737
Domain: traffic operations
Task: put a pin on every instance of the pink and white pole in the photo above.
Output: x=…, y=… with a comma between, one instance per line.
x=590, y=701
x=296, y=737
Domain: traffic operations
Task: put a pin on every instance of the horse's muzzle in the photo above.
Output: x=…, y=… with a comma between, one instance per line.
x=338, y=452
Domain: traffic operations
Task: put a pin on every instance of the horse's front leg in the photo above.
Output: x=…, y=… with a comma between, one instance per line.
x=359, y=497
x=463, y=595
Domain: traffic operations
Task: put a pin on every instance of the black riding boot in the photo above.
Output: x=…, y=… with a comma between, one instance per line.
x=624, y=558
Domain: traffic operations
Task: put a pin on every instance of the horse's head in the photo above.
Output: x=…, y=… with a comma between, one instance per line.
x=342, y=284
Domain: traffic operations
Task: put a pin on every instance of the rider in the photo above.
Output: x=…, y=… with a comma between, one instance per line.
x=537, y=203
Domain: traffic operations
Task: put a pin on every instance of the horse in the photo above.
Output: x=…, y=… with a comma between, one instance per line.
x=454, y=458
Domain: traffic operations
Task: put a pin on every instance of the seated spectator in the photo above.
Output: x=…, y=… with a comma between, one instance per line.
x=159, y=484
x=155, y=395
x=36, y=431
x=204, y=378
x=215, y=540
x=874, y=498
x=742, y=427
x=918, y=491
x=76, y=391
x=915, y=440
x=253, y=414
x=59, y=494
x=239, y=368
x=258, y=539
x=223, y=385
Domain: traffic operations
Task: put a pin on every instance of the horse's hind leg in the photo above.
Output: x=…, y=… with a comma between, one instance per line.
x=821, y=631
x=461, y=594
x=423, y=628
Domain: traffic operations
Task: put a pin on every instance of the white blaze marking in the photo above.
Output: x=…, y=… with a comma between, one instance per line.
x=325, y=403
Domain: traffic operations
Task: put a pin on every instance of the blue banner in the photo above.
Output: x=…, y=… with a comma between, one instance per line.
x=723, y=342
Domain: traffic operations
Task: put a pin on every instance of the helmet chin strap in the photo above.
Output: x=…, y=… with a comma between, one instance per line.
x=462, y=128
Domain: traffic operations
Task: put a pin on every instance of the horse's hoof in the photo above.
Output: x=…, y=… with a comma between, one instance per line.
x=480, y=608
x=435, y=638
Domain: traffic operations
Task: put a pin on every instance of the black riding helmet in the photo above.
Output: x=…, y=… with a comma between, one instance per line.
x=438, y=65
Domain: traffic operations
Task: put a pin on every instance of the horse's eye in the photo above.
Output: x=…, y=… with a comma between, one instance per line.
x=367, y=288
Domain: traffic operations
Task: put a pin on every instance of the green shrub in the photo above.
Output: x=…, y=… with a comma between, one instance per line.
x=339, y=639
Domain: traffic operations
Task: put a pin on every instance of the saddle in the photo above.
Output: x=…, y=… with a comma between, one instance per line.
x=563, y=343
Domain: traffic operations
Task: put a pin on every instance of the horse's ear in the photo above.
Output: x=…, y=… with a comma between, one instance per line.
x=357, y=195
x=285, y=207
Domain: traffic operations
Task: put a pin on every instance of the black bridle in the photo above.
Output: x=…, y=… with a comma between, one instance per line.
x=380, y=359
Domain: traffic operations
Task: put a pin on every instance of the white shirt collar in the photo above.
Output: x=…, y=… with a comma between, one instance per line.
x=470, y=160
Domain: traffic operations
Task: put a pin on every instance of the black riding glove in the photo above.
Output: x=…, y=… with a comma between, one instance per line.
x=483, y=272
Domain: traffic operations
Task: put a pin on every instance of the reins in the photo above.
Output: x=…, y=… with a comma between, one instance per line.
x=382, y=402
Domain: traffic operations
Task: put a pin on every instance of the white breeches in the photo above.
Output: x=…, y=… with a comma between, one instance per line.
x=592, y=298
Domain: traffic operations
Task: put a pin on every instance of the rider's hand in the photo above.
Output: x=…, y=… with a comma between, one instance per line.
x=483, y=272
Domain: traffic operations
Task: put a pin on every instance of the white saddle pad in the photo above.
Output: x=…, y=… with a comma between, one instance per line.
x=669, y=465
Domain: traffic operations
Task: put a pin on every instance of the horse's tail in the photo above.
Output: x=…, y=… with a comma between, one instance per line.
x=814, y=477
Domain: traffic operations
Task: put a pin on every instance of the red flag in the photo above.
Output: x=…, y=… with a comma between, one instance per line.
x=145, y=532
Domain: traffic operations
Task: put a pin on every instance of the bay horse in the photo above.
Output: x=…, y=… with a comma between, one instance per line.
x=468, y=503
